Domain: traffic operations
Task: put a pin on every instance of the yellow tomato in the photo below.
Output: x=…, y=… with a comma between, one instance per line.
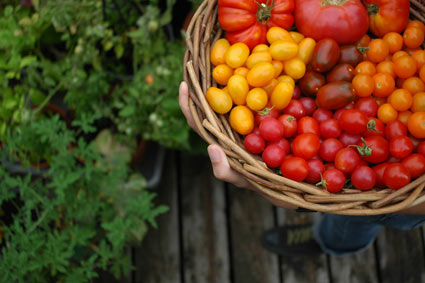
x=283, y=50
x=270, y=87
x=387, y=113
x=238, y=89
x=218, y=51
x=277, y=33
x=258, y=57
x=286, y=78
x=278, y=67
x=305, y=49
x=219, y=100
x=236, y=55
x=243, y=71
x=241, y=120
x=221, y=73
x=296, y=36
x=419, y=102
x=295, y=68
x=260, y=48
x=282, y=95
x=261, y=74
x=257, y=99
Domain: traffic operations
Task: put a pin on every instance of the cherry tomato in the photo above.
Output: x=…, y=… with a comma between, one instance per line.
x=400, y=99
x=238, y=89
x=329, y=148
x=219, y=100
x=311, y=83
x=375, y=127
x=222, y=73
x=271, y=129
x=241, y=71
x=254, y=143
x=363, y=178
x=273, y=155
x=386, y=113
x=350, y=54
x=258, y=57
x=403, y=116
x=270, y=87
x=295, y=168
x=386, y=67
x=349, y=139
x=241, y=119
x=363, y=84
x=341, y=72
x=277, y=33
x=295, y=68
x=347, y=159
x=306, y=145
x=416, y=125
x=321, y=115
x=284, y=144
x=266, y=113
x=365, y=67
x=308, y=125
x=353, y=121
x=394, y=41
x=414, y=85
x=330, y=129
x=282, y=95
x=260, y=48
x=295, y=108
x=396, y=176
x=335, y=95
x=290, y=125
x=373, y=149
x=401, y=146
x=297, y=92
x=421, y=148
x=384, y=84
x=218, y=51
x=418, y=104
x=236, y=55
x=325, y=55
x=413, y=37
x=405, y=66
x=378, y=50
x=260, y=74
x=419, y=57
x=278, y=68
x=367, y=105
x=415, y=164
x=316, y=169
x=256, y=99
x=379, y=172
x=416, y=23
x=395, y=129
x=283, y=50
x=296, y=36
x=333, y=180
x=305, y=49
x=309, y=105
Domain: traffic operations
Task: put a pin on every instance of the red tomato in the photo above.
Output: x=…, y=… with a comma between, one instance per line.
x=344, y=21
x=325, y=55
x=341, y=72
x=421, y=148
x=294, y=168
x=247, y=21
x=346, y=160
x=290, y=125
x=395, y=128
x=386, y=16
x=335, y=95
x=349, y=139
x=309, y=105
x=295, y=108
x=284, y=144
x=415, y=164
x=375, y=127
x=363, y=178
x=273, y=155
x=379, y=171
x=350, y=54
x=311, y=82
x=367, y=105
x=321, y=115
x=266, y=113
x=329, y=148
x=401, y=146
x=271, y=129
x=373, y=149
x=308, y=125
x=330, y=129
x=353, y=121
x=333, y=180
x=338, y=113
x=254, y=143
x=297, y=92
x=316, y=169
x=306, y=145
x=396, y=176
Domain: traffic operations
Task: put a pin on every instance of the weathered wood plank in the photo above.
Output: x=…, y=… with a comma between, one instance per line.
x=203, y=212
x=302, y=268
x=250, y=216
x=158, y=259
x=401, y=256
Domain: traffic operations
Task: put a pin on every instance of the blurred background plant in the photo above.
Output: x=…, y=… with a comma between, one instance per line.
x=82, y=82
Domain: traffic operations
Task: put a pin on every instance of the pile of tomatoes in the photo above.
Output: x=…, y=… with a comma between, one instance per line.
x=323, y=111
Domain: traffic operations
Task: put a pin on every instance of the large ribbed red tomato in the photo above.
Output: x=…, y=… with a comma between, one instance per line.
x=346, y=21
x=247, y=21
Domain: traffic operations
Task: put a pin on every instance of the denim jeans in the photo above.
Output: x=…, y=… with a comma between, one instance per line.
x=340, y=235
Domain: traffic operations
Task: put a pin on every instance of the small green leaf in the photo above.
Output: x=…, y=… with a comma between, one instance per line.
x=127, y=111
x=28, y=60
x=119, y=50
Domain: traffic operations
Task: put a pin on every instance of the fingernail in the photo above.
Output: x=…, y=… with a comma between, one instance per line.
x=214, y=155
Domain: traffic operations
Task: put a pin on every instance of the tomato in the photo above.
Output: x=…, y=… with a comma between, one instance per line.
x=286, y=78
x=419, y=57
x=306, y=145
x=379, y=172
x=375, y=127
x=395, y=129
x=414, y=85
x=387, y=113
x=401, y=146
x=338, y=113
x=416, y=125
x=271, y=129
x=330, y=129
x=364, y=85
x=284, y=144
x=413, y=37
x=405, y=66
x=404, y=116
x=290, y=125
x=295, y=108
x=219, y=100
x=325, y=55
x=346, y=159
x=305, y=49
x=386, y=67
x=350, y=54
x=415, y=164
x=329, y=148
x=254, y=143
x=378, y=50
x=296, y=36
x=241, y=71
x=344, y=21
x=295, y=68
x=261, y=74
x=316, y=169
x=277, y=33
x=394, y=41
x=270, y=87
x=283, y=50
x=365, y=67
x=278, y=67
x=261, y=47
x=384, y=84
x=353, y=121
x=396, y=176
x=363, y=178
x=321, y=115
x=218, y=51
x=311, y=83
x=256, y=99
x=273, y=155
x=335, y=95
x=341, y=72
x=241, y=119
x=266, y=113
x=222, y=73
x=387, y=16
x=333, y=180
x=367, y=105
x=309, y=105
x=421, y=148
x=307, y=125
x=363, y=41
x=418, y=104
x=400, y=99
x=236, y=55
x=238, y=89
x=281, y=95
x=295, y=168
x=297, y=92
x=373, y=149
x=258, y=57
x=247, y=21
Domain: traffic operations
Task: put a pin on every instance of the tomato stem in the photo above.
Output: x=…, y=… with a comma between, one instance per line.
x=363, y=150
x=264, y=11
x=372, y=8
x=265, y=111
x=371, y=126
x=362, y=49
x=322, y=181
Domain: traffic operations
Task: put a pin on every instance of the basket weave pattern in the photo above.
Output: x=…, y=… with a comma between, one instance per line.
x=214, y=128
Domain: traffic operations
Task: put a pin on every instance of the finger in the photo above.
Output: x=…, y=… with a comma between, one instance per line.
x=184, y=104
x=222, y=169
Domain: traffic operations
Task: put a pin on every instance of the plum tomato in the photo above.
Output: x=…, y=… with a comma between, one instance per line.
x=373, y=149
x=311, y=83
x=316, y=169
x=347, y=159
x=394, y=129
x=415, y=164
x=273, y=155
x=281, y=95
x=396, y=176
x=307, y=125
x=295, y=108
x=321, y=115
x=254, y=143
x=341, y=72
x=241, y=119
x=350, y=54
x=363, y=178
x=353, y=121
x=290, y=125
x=297, y=92
x=349, y=139
x=379, y=171
x=375, y=127
x=295, y=168
x=329, y=148
x=309, y=105
x=271, y=129
x=330, y=129
x=401, y=146
x=306, y=145
x=325, y=55
x=335, y=95
x=367, y=105
x=333, y=180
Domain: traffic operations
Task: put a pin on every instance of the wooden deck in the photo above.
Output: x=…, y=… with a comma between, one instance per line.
x=212, y=230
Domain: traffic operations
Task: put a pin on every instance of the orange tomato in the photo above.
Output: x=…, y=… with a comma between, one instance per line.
x=386, y=67
x=422, y=73
x=222, y=73
x=364, y=41
x=399, y=54
x=416, y=24
x=238, y=89
x=414, y=85
x=218, y=51
x=387, y=113
x=363, y=84
x=404, y=116
x=258, y=57
x=413, y=37
x=378, y=50
x=411, y=51
x=236, y=55
x=365, y=67
x=419, y=57
x=241, y=119
x=384, y=84
x=394, y=41
x=399, y=82
x=282, y=95
x=400, y=99
x=219, y=100
x=405, y=66
x=416, y=125
x=418, y=104
x=261, y=74
x=257, y=99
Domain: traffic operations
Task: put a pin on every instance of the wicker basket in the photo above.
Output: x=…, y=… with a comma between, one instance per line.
x=202, y=32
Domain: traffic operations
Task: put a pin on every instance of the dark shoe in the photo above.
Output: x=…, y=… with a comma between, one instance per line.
x=291, y=240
